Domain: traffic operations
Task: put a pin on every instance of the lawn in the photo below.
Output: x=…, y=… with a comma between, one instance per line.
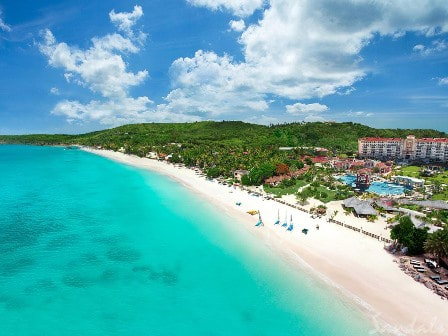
x=442, y=178
x=440, y=197
x=331, y=194
x=413, y=171
x=278, y=191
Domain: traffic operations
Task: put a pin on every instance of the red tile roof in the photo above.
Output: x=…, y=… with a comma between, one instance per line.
x=399, y=139
x=433, y=140
x=319, y=159
x=380, y=139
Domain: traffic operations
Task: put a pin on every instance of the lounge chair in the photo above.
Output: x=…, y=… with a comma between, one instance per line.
x=442, y=282
x=417, y=266
x=435, y=277
x=421, y=270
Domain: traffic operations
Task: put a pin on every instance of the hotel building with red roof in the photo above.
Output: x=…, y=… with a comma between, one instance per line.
x=410, y=148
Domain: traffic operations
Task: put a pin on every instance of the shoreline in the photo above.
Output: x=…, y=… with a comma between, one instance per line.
x=355, y=265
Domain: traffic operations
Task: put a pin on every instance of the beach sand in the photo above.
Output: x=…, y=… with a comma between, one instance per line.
x=355, y=265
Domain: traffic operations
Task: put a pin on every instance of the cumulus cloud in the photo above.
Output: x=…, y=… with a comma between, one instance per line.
x=102, y=69
x=298, y=50
x=443, y=81
x=435, y=47
x=126, y=21
x=55, y=91
x=299, y=108
x=237, y=7
x=3, y=25
x=237, y=26
x=207, y=84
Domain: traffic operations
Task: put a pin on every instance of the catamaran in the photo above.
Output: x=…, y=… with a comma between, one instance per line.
x=278, y=218
x=291, y=225
x=285, y=223
x=260, y=222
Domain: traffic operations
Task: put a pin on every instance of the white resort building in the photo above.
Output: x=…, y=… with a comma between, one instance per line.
x=425, y=149
x=410, y=182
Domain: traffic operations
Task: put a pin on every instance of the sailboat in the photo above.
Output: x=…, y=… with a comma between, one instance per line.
x=260, y=222
x=291, y=226
x=285, y=223
x=278, y=218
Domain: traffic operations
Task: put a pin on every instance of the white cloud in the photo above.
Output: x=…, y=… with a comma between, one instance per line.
x=435, y=47
x=102, y=69
x=3, y=25
x=237, y=26
x=208, y=84
x=237, y=7
x=126, y=21
x=55, y=91
x=443, y=81
x=299, y=108
x=298, y=50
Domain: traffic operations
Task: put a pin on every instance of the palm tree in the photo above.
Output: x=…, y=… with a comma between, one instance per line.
x=334, y=214
x=437, y=243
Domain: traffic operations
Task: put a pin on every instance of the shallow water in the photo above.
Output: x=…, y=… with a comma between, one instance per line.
x=93, y=247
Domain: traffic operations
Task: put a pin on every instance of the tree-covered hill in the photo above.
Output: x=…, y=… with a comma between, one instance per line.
x=339, y=137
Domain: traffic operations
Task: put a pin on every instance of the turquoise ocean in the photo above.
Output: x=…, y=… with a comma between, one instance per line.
x=92, y=247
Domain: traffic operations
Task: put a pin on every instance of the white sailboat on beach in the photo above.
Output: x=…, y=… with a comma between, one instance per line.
x=260, y=221
x=291, y=225
x=285, y=223
x=278, y=218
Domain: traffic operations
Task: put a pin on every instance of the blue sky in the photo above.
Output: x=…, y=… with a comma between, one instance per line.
x=77, y=66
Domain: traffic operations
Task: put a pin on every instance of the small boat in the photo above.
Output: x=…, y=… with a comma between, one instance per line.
x=260, y=222
x=285, y=223
x=291, y=225
x=252, y=212
x=278, y=218
x=305, y=231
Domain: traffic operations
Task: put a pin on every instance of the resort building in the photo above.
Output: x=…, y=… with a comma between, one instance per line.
x=238, y=174
x=411, y=148
x=360, y=207
x=410, y=182
x=152, y=155
x=383, y=168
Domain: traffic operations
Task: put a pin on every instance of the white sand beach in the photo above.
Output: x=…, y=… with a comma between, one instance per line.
x=356, y=265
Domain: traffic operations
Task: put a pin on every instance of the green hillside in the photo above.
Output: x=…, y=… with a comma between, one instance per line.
x=335, y=136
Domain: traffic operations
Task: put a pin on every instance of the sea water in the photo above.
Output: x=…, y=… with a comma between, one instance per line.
x=92, y=247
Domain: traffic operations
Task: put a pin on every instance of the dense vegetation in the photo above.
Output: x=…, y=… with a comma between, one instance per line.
x=408, y=235
x=419, y=240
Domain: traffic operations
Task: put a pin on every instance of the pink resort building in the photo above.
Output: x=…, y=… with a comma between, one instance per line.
x=411, y=148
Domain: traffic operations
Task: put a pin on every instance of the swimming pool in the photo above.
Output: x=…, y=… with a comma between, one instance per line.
x=380, y=188
x=385, y=188
x=348, y=179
